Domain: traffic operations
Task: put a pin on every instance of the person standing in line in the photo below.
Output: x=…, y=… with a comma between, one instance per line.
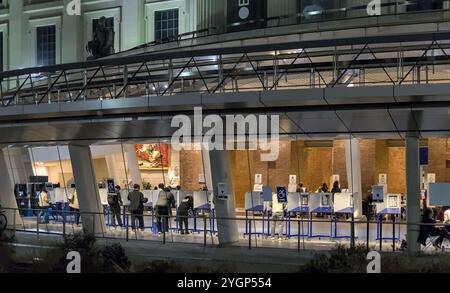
x=277, y=218
x=115, y=203
x=137, y=200
x=164, y=205
x=44, y=205
x=186, y=205
x=74, y=205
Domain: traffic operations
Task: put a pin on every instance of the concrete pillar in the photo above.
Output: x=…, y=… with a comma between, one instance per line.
x=353, y=163
x=116, y=168
x=133, y=24
x=413, y=189
x=88, y=195
x=20, y=165
x=18, y=26
x=220, y=165
x=72, y=37
x=133, y=166
x=7, y=197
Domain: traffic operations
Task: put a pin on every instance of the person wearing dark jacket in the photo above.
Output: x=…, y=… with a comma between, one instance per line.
x=115, y=202
x=430, y=230
x=164, y=204
x=137, y=201
x=336, y=188
x=186, y=205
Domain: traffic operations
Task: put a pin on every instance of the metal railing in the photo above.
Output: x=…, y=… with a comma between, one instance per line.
x=300, y=233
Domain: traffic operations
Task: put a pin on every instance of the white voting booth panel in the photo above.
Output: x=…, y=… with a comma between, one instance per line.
x=391, y=205
x=203, y=200
x=320, y=202
x=439, y=194
x=298, y=202
x=254, y=201
x=343, y=203
x=59, y=195
x=103, y=192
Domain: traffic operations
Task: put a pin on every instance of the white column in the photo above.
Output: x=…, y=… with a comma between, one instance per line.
x=413, y=190
x=353, y=163
x=133, y=166
x=217, y=164
x=132, y=24
x=18, y=25
x=72, y=46
x=87, y=190
x=20, y=165
x=116, y=167
x=7, y=197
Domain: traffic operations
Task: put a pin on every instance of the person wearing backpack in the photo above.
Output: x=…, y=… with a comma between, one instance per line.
x=137, y=200
x=164, y=205
x=115, y=202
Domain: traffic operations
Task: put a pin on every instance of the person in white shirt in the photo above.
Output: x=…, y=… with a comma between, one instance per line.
x=74, y=205
x=44, y=205
x=277, y=218
x=447, y=219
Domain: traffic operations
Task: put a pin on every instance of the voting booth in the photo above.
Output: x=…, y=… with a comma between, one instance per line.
x=343, y=203
x=297, y=203
x=321, y=203
x=203, y=201
x=254, y=202
x=390, y=206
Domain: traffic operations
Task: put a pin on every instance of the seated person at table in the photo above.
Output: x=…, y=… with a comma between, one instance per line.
x=430, y=230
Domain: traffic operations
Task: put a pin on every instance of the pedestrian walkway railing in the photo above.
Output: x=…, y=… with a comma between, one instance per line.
x=298, y=233
x=370, y=61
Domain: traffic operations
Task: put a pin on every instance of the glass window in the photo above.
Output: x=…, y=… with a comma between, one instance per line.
x=46, y=45
x=166, y=24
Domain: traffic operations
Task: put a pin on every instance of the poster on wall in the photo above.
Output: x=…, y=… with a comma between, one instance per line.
x=153, y=156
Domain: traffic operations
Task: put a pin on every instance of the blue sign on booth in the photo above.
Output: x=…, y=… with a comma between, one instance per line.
x=282, y=194
x=111, y=186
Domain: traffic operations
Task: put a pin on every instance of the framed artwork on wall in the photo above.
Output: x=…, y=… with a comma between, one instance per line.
x=153, y=156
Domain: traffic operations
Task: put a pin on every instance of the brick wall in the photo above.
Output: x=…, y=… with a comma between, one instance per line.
x=190, y=168
x=439, y=153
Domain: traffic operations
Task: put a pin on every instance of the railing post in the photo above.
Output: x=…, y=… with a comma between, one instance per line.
x=250, y=234
x=127, y=227
x=49, y=86
x=170, y=77
x=393, y=234
x=204, y=230
x=64, y=222
x=367, y=232
x=85, y=80
x=298, y=235
x=352, y=232
x=37, y=225
x=14, y=221
x=125, y=81
x=163, y=225
x=381, y=234
x=220, y=74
